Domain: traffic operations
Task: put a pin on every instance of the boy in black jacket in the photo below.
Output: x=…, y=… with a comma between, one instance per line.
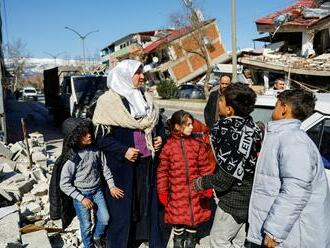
x=236, y=139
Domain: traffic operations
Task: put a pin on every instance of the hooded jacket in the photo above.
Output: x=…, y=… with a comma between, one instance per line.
x=182, y=160
x=290, y=197
x=61, y=205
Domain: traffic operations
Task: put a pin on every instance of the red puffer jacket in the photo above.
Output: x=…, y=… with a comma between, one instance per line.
x=182, y=160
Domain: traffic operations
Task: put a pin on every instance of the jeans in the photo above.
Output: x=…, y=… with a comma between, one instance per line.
x=226, y=232
x=84, y=216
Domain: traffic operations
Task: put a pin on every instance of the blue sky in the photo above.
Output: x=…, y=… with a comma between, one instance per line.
x=40, y=23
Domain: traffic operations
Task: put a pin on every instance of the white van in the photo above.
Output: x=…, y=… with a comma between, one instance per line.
x=317, y=125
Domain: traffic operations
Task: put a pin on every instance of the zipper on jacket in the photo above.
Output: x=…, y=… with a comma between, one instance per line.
x=187, y=181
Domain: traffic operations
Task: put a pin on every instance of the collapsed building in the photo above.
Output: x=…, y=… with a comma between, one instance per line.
x=297, y=46
x=171, y=53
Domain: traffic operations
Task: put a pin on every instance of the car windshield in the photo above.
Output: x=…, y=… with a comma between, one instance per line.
x=262, y=113
x=30, y=91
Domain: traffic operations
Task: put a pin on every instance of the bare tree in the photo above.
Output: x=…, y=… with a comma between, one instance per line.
x=36, y=80
x=199, y=43
x=16, y=55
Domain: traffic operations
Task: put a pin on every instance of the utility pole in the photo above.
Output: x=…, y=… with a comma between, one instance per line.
x=233, y=40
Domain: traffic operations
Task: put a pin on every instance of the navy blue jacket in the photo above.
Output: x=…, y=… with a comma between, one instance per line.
x=114, y=146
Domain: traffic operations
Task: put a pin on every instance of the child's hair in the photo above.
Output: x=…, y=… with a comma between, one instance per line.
x=74, y=129
x=301, y=101
x=241, y=98
x=179, y=117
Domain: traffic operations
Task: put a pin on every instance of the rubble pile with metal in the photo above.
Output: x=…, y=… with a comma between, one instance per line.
x=293, y=61
x=24, y=205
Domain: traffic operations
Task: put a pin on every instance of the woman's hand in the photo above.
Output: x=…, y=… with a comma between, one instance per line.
x=158, y=143
x=87, y=203
x=132, y=154
x=116, y=193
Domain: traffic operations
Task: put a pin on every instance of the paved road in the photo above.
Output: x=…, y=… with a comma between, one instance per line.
x=36, y=116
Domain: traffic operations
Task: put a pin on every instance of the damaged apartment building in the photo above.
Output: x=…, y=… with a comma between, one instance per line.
x=170, y=53
x=297, y=46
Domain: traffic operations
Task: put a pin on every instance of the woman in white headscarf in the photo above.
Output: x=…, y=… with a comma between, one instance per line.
x=129, y=133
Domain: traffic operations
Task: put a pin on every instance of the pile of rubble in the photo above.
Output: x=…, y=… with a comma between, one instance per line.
x=290, y=60
x=24, y=206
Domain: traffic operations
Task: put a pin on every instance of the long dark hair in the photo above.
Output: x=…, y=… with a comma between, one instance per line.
x=179, y=117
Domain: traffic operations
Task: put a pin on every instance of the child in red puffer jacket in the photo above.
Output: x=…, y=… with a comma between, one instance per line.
x=183, y=159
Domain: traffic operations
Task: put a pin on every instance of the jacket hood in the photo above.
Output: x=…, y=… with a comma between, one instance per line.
x=285, y=124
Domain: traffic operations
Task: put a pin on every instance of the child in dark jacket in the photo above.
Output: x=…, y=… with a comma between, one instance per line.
x=236, y=140
x=81, y=180
x=183, y=159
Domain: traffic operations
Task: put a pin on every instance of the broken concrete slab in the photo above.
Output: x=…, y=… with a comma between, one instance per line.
x=6, y=195
x=28, y=197
x=40, y=189
x=13, y=179
x=30, y=208
x=6, y=152
x=18, y=146
x=22, y=167
x=38, y=175
x=8, y=162
x=39, y=156
x=36, y=239
x=8, y=210
x=21, y=154
x=19, y=188
x=10, y=232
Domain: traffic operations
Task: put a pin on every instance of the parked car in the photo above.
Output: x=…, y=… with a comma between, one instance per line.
x=191, y=91
x=317, y=125
x=29, y=93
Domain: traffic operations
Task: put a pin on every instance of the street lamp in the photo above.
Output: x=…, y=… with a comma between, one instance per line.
x=82, y=37
x=54, y=56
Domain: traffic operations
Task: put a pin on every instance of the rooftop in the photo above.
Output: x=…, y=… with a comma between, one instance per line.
x=174, y=34
x=302, y=14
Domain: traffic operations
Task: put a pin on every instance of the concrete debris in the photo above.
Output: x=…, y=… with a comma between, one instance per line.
x=17, y=147
x=288, y=60
x=40, y=189
x=7, y=210
x=9, y=165
x=28, y=197
x=4, y=151
x=29, y=188
x=38, y=175
x=35, y=239
x=10, y=233
x=30, y=209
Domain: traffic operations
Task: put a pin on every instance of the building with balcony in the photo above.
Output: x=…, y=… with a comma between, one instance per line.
x=297, y=46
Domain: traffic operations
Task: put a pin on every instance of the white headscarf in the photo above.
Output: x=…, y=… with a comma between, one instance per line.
x=120, y=80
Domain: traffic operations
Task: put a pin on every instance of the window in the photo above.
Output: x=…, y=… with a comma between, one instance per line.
x=262, y=114
x=320, y=134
